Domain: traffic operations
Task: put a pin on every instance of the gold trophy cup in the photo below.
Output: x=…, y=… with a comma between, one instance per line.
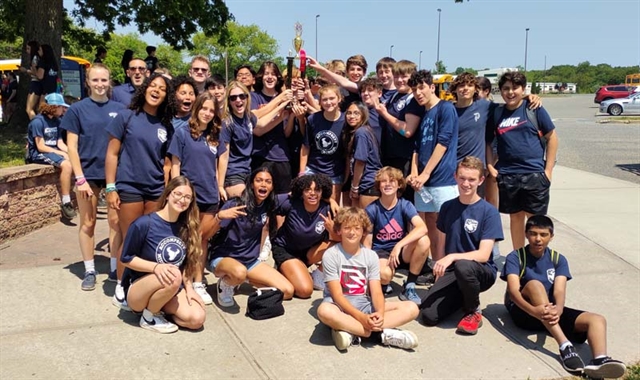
x=298, y=42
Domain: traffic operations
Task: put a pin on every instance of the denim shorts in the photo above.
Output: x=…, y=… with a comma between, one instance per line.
x=440, y=195
x=214, y=263
x=48, y=158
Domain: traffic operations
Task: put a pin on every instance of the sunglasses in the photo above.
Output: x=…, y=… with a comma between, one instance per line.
x=233, y=98
x=197, y=69
x=138, y=68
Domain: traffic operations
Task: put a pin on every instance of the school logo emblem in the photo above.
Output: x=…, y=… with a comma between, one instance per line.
x=171, y=250
x=162, y=135
x=264, y=218
x=470, y=225
x=551, y=275
x=113, y=114
x=213, y=149
x=320, y=227
x=476, y=116
x=403, y=102
x=250, y=125
x=327, y=142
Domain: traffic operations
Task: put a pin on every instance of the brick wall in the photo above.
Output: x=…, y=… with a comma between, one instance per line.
x=29, y=199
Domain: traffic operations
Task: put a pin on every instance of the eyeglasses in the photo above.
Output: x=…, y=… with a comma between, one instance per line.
x=138, y=68
x=197, y=69
x=309, y=191
x=233, y=98
x=178, y=196
x=353, y=113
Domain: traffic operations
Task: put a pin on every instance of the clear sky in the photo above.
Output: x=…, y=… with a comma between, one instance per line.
x=477, y=33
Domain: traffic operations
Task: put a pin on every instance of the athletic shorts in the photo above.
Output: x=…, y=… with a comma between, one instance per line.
x=362, y=303
x=523, y=192
x=440, y=194
x=35, y=87
x=49, y=158
x=382, y=254
x=97, y=183
x=235, y=179
x=208, y=208
x=567, y=322
x=214, y=263
x=281, y=254
x=134, y=198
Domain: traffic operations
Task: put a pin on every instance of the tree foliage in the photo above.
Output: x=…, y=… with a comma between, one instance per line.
x=440, y=68
x=588, y=78
x=461, y=70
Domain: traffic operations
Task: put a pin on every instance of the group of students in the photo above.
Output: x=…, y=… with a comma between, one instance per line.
x=203, y=174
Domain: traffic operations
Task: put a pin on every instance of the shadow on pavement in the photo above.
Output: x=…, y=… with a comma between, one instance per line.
x=631, y=168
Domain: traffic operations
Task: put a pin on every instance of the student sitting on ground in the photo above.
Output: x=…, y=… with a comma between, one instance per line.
x=536, y=290
x=45, y=146
x=353, y=304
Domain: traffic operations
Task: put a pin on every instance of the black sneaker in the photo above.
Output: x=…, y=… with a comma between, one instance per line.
x=387, y=289
x=571, y=360
x=605, y=368
x=68, y=211
x=426, y=279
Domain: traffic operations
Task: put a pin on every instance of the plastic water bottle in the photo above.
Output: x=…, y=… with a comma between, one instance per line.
x=425, y=195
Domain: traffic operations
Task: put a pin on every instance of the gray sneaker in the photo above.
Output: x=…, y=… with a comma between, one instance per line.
x=68, y=211
x=409, y=294
x=89, y=281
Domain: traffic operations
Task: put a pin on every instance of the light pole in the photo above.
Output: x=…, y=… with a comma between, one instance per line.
x=317, y=37
x=420, y=60
x=526, y=45
x=391, y=51
x=438, y=51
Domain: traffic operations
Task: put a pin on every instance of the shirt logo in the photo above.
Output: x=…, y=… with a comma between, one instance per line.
x=162, y=135
x=353, y=280
x=470, y=225
x=510, y=123
x=113, y=114
x=320, y=227
x=264, y=218
x=213, y=149
x=250, y=125
x=171, y=250
x=551, y=275
x=392, y=231
x=327, y=142
x=476, y=116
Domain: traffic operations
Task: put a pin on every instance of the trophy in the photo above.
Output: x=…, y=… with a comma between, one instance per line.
x=298, y=42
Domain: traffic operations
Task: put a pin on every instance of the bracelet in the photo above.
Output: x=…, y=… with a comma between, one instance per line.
x=402, y=132
x=110, y=188
x=217, y=217
x=79, y=177
x=154, y=269
x=80, y=181
x=355, y=188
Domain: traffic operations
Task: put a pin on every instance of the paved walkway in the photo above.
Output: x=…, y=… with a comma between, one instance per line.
x=49, y=328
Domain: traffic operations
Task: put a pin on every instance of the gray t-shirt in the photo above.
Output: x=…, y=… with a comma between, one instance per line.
x=353, y=271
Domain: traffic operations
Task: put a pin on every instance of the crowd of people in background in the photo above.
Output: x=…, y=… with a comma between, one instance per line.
x=353, y=177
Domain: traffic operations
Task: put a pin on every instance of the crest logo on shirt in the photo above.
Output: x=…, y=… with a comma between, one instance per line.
x=171, y=250
x=264, y=218
x=476, y=116
x=403, y=102
x=320, y=227
x=213, y=149
x=551, y=275
x=470, y=225
x=113, y=115
x=162, y=135
x=327, y=142
x=250, y=125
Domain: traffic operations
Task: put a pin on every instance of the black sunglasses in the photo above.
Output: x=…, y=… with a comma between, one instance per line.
x=233, y=98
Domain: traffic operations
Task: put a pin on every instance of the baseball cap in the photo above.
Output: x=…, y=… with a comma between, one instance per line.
x=55, y=99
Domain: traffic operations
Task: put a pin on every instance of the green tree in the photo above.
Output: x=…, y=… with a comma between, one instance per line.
x=172, y=60
x=461, y=70
x=440, y=68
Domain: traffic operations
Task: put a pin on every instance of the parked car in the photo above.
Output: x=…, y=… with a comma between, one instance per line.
x=616, y=107
x=612, y=92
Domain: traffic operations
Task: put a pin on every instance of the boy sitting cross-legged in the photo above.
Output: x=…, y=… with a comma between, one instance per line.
x=353, y=304
x=536, y=290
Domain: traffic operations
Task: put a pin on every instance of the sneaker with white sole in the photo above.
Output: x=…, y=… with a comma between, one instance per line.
x=409, y=294
x=156, y=322
x=318, y=279
x=266, y=250
x=399, y=338
x=571, y=360
x=343, y=339
x=605, y=367
x=89, y=281
x=119, y=299
x=202, y=292
x=225, y=294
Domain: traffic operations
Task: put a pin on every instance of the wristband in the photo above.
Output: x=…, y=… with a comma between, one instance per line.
x=79, y=177
x=402, y=132
x=355, y=188
x=111, y=187
x=80, y=181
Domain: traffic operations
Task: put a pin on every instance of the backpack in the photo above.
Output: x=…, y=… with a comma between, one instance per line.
x=522, y=258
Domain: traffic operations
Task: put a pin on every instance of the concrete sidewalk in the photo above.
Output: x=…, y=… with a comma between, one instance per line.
x=49, y=328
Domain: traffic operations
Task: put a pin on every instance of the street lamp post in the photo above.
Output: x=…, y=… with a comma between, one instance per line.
x=526, y=45
x=438, y=50
x=420, y=60
x=391, y=51
x=317, y=36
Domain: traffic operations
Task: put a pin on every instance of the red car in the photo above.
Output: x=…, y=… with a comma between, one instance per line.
x=612, y=92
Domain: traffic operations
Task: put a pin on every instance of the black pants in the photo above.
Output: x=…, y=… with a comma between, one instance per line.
x=460, y=287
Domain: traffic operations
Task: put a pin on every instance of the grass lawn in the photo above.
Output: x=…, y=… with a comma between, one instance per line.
x=12, y=147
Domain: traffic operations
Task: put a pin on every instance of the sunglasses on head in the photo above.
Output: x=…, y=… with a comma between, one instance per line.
x=233, y=98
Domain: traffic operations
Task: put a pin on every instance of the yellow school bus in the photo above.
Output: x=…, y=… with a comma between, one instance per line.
x=442, y=83
x=632, y=80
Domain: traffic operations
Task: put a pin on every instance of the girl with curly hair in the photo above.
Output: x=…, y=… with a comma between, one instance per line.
x=162, y=251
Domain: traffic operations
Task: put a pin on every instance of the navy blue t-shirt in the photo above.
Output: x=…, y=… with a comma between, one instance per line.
x=325, y=145
x=519, y=147
x=47, y=128
x=181, y=122
x=394, y=145
x=374, y=123
x=366, y=149
x=301, y=229
x=467, y=225
x=439, y=125
x=272, y=145
x=50, y=79
x=142, y=153
x=542, y=269
x=238, y=134
x=199, y=163
x=387, y=95
x=123, y=94
x=153, y=239
x=472, y=124
x=88, y=120
x=390, y=226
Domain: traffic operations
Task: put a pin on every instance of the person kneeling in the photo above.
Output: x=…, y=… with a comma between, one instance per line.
x=353, y=304
x=536, y=290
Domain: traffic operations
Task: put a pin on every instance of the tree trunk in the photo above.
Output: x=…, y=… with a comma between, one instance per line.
x=43, y=23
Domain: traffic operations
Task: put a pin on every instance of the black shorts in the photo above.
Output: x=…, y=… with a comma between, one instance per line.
x=382, y=254
x=280, y=255
x=370, y=192
x=524, y=192
x=281, y=173
x=235, y=179
x=97, y=183
x=35, y=87
x=567, y=322
x=208, y=208
x=134, y=198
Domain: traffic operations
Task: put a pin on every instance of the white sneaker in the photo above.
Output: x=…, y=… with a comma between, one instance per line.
x=119, y=299
x=225, y=294
x=399, y=338
x=202, y=292
x=266, y=250
x=157, y=323
x=318, y=279
x=341, y=339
